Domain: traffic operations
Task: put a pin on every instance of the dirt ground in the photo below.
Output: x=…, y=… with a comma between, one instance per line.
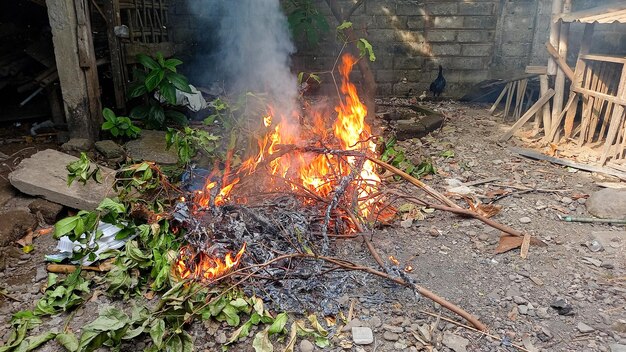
x=449, y=255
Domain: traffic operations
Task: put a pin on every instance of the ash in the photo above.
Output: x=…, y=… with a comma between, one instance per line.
x=270, y=228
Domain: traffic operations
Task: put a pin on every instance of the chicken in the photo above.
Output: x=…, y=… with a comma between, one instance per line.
x=423, y=96
x=439, y=84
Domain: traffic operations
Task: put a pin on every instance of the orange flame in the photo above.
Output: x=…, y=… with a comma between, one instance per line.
x=203, y=267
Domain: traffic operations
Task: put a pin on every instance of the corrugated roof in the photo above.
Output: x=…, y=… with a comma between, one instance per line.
x=613, y=13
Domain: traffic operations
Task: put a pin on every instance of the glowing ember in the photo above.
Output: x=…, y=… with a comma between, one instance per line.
x=191, y=264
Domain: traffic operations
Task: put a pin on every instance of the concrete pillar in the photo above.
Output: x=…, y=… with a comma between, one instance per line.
x=76, y=65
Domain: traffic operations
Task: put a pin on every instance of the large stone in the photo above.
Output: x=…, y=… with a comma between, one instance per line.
x=617, y=347
x=49, y=211
x=6, y=191
x=406, y=129
x=14, y=224
x=45, y=175
x=109, y=149
x=607, y=204
x=151, y=147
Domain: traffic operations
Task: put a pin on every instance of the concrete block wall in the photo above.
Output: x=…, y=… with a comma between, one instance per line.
x=473, y=40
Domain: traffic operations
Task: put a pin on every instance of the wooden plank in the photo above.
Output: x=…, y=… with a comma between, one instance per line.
x=595, y=82
x=591, y=168
x=584, y=122
x=539, y=70
x=553, y=136
x=605, y=58
x=598, y=103
x=613, y=99
x=581, y=66
x=520, y=98
x=560, y=61
x=547, y=119
x=533, y=109
x=509, y=98
x=616, y=118
x=112, y=14
x=555, y=27
x=495, y=105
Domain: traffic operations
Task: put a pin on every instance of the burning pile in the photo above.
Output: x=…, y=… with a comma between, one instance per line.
x=319, y=164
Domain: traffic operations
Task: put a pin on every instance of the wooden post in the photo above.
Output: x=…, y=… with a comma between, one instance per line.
x=76, y=65
x=557, y=6
x=112, y=13
x=547, y=121
x=559, y=81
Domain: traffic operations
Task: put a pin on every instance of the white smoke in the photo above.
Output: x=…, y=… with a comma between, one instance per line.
x=251, y=50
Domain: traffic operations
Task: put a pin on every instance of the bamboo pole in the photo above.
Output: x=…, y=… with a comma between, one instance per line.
x=559, y=81
x=557, y=6
x=547, y=120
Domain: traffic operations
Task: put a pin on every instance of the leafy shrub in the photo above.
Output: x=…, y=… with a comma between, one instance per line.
x=119, y=126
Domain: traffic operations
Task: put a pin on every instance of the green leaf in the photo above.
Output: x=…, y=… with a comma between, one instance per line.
x=147, y=62
x=91, y=340
x=32, y=342
x=279, y=324
x=108, y=114
x=344, y=25
x=316, y=78
x=157, y=115
x=137, y=89
x=64, y=226
x=168, y=91
x=107, y=125
x=174, y=344
x=239, y=303
x=262, y=343
x=316, y=325
x=68, y=340
x=300, y=76
x=157, y=330
x=172, y=63
x=322, y=342
x=140, y=112
x=112, y=206
x=179, y=81
x=153, y=79
x=187, y=342
x=366, y=48
x=160, y=59
x=232, y=317
x=177, y=117
x=110, y=319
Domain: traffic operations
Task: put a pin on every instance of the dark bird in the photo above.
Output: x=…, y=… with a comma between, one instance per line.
x=439, y=84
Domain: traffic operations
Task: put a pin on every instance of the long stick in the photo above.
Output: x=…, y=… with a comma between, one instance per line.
x=426, y=293
x=440, y=197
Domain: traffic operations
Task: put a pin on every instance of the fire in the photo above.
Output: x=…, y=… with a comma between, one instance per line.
x=201, y=266
x=319, y=173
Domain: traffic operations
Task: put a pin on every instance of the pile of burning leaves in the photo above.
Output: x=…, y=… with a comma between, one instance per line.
x=227, y=241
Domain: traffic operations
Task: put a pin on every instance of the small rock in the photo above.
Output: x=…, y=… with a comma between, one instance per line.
x=406, y=223
x=594, y=246
x=607, y=203
x=620, y=326
x=543, y=313
x=151, y=146
x=352, y=323
x=77, y=145
x=109, y=149
x=391, y=336
x=453, y=182
x=14, y=224
x=519, y=300
x=607, y=265
x=41, y=274
x=525, y=220
x=399, y=346
x=483, y=237
x=566, y=200
x=584, y=328
x=522, y=309
x=462, y=190
x=220, y=338
x=617, y=347
x=374, y=322
x=306, y=346
x=362, y=335
x=562, y=307
x=581, y=201
x=396, y=329
x=455, y=342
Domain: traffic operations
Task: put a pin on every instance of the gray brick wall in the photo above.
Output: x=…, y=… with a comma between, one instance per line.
x=473, y=40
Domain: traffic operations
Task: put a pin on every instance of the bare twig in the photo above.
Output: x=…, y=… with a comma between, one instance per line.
x=440, y=197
